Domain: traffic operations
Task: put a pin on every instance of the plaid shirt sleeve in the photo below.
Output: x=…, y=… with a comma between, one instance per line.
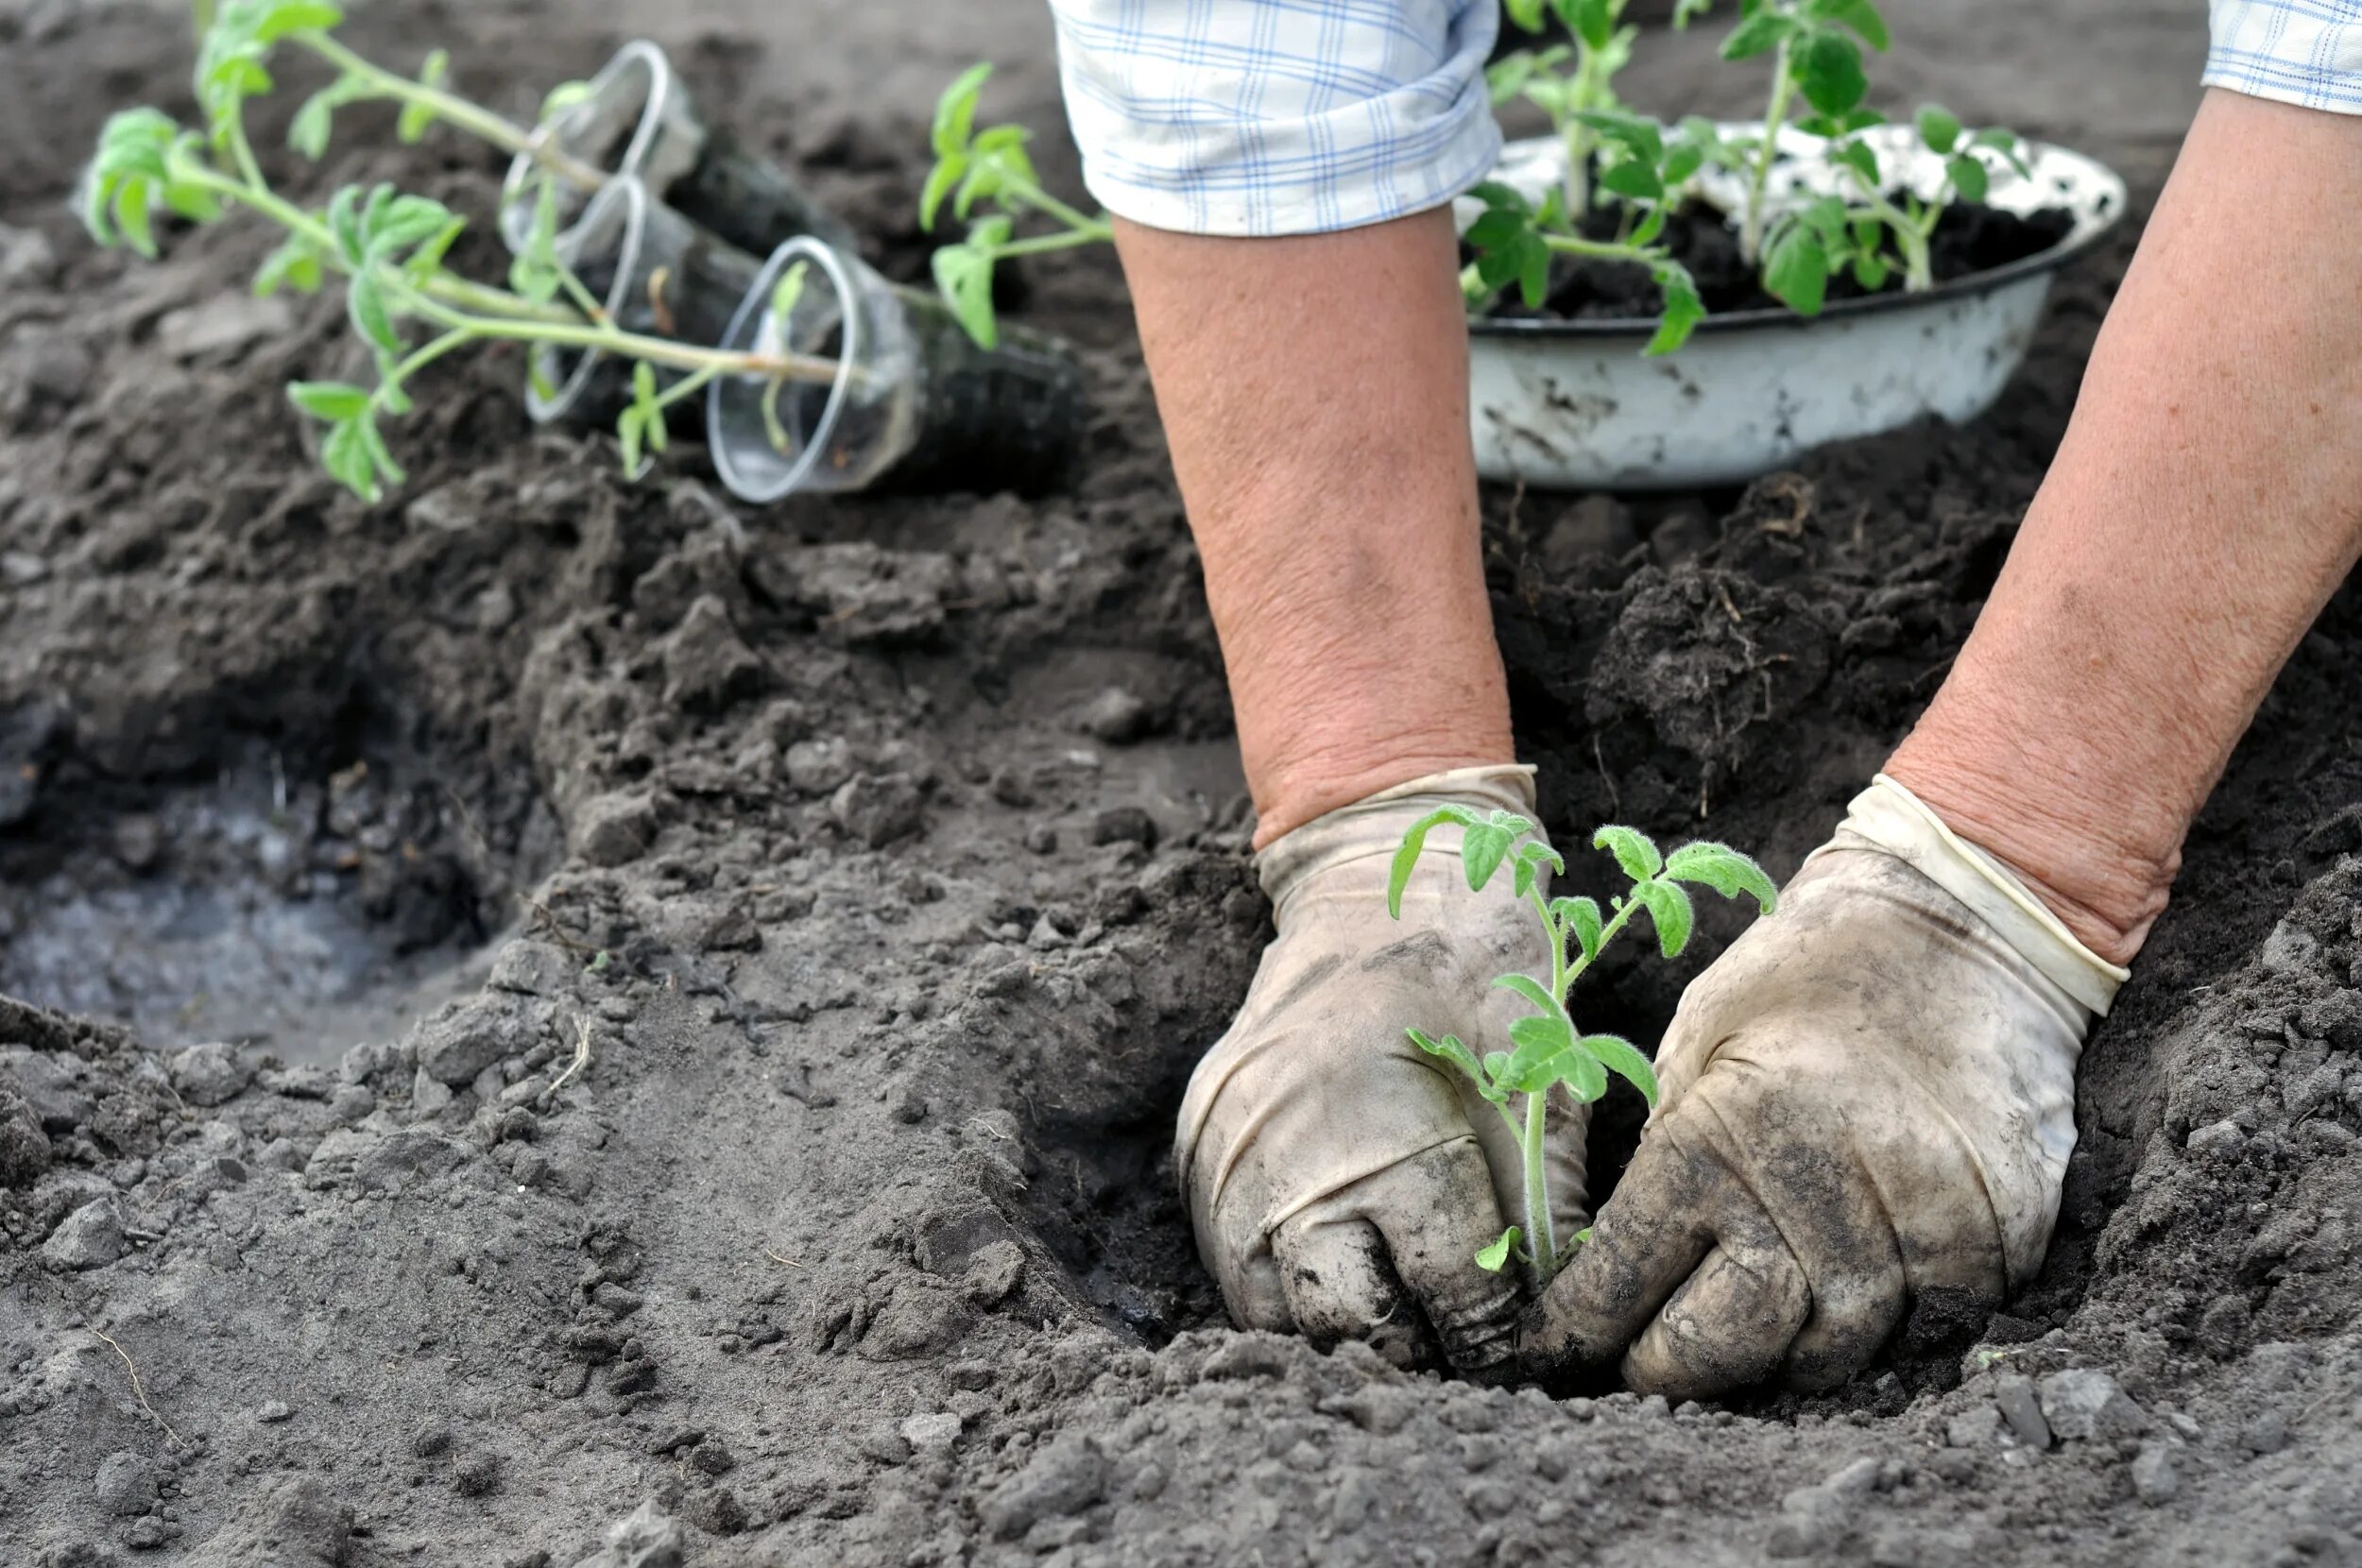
x=2302, y=52
x=1262, y=117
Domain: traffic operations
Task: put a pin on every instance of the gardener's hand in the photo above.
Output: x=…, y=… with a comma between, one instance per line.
x=1869, y=1099
x=1341, y=1180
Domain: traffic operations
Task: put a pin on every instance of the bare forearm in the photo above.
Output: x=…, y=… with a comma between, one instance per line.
x=1315, y=393
x=2206, y=502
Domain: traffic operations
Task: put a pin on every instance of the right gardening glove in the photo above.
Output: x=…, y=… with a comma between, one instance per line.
x=1870, y=1097
x=1341, y=1180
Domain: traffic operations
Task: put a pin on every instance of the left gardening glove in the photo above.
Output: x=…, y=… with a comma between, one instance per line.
x=1868, y=1098
x=1341, y=1180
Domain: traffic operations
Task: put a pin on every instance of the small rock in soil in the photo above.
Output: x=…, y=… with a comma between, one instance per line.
x=227, y=325
x=2290, y=949
x=24, y=1146
x=707, y=664
x=2154, y=1479
x=1124, y=824
x=476, y=1475
x=2266, y=1434
x=1976, y=1427
x=1067, y=1476
x=1115, y=716
x=2217, y=1138
x=616, y=829
x=818, y=767
x=2083, y=1403
x=210, y=1074
x=27, y=257
x=878, y=808
x=92, y=1237
x=648, y=1539
x=2015, y=1393
x=273, y=1411
x=933, y=1430
x=126, y=1484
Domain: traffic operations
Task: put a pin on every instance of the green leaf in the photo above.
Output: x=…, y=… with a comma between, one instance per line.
x=1531, y=858
x=1451, y=1050
x=1580, y=916
x=1860, y=159
x=1968, y=177
x=955, y=112
x=964, y=274
x=273, y=19
x=416, y=117
x=1618, y=1056
x=1687, y=11
x=1723, y=869
x=132, y=213
x=1862, y=17
x=1497, y=230
x=1533, y=991
x=1871, y=272
x=1482, y=847
x=1527, y=14
x=629, y=427
x=365, y=303
x=1493, y=1259
x=1643, y=137
x=1534, y=1064
x=1507, y=76
x=329, y=400
x=1413, y=842
x=562, y=98
x=1585, y=1079
x=1632, y=180
x=1534, y=270
x=787, y=292
x=294, y=264
x=1828, y=69
x=1493, y=192
x=403, y=221
x=1796, y=269
x=1760, y=34
x=345, y=453
x=424, y=262
x=344, y=222
x=1633, y=850
x=309, y=130
x=1669, y=911
x=1939, y=127
x=1592, y=21
x=380, y=458
x=948, y=171
x=1682, y=308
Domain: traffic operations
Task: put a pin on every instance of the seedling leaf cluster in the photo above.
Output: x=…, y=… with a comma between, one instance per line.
x=387, y=247
x=1546, y=1049
x=1625, y=176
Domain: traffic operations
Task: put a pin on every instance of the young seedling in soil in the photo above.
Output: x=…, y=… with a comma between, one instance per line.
x=387, y=247
x=989, y=168
x=1601, y=47
x=1646, y=170
x=1547, y=1047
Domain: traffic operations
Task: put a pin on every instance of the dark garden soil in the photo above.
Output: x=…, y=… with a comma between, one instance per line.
x=770, y=947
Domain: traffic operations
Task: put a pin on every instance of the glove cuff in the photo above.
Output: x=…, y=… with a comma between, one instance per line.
x=1374, y=824
x=1890, y=817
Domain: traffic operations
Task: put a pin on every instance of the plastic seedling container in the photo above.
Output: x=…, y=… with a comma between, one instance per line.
x=656, y=273
x=917, y=403
x=637, y=119
x=1573, y=405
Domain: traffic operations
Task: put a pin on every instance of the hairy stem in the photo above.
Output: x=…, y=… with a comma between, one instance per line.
x=473, y=118
x=1540, y=1239
x=1604, y=250
x=1775, y=114
x=1042, y=201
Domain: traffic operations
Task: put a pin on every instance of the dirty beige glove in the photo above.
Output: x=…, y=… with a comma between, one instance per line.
x=1332, y=1168
x=1869, y=1098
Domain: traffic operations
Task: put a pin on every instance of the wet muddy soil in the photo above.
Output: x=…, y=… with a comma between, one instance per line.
x=564, y=1024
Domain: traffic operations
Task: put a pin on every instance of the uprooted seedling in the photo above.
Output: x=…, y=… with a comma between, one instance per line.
x=1547, y=1049
x=387, y=247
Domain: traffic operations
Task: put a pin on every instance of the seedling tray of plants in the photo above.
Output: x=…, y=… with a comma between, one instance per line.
x=1563, y=394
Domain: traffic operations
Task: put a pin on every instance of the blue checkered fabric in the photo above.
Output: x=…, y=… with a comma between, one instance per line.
x=1263, y=117
x=2304, y=52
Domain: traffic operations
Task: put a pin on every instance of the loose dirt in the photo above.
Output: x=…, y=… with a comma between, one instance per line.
x=653, y=1028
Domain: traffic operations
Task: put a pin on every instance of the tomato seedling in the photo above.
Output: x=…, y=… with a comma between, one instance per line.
x=386, y=247
x=989, y=168
x=1601, y=47
x=1547, y=1048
